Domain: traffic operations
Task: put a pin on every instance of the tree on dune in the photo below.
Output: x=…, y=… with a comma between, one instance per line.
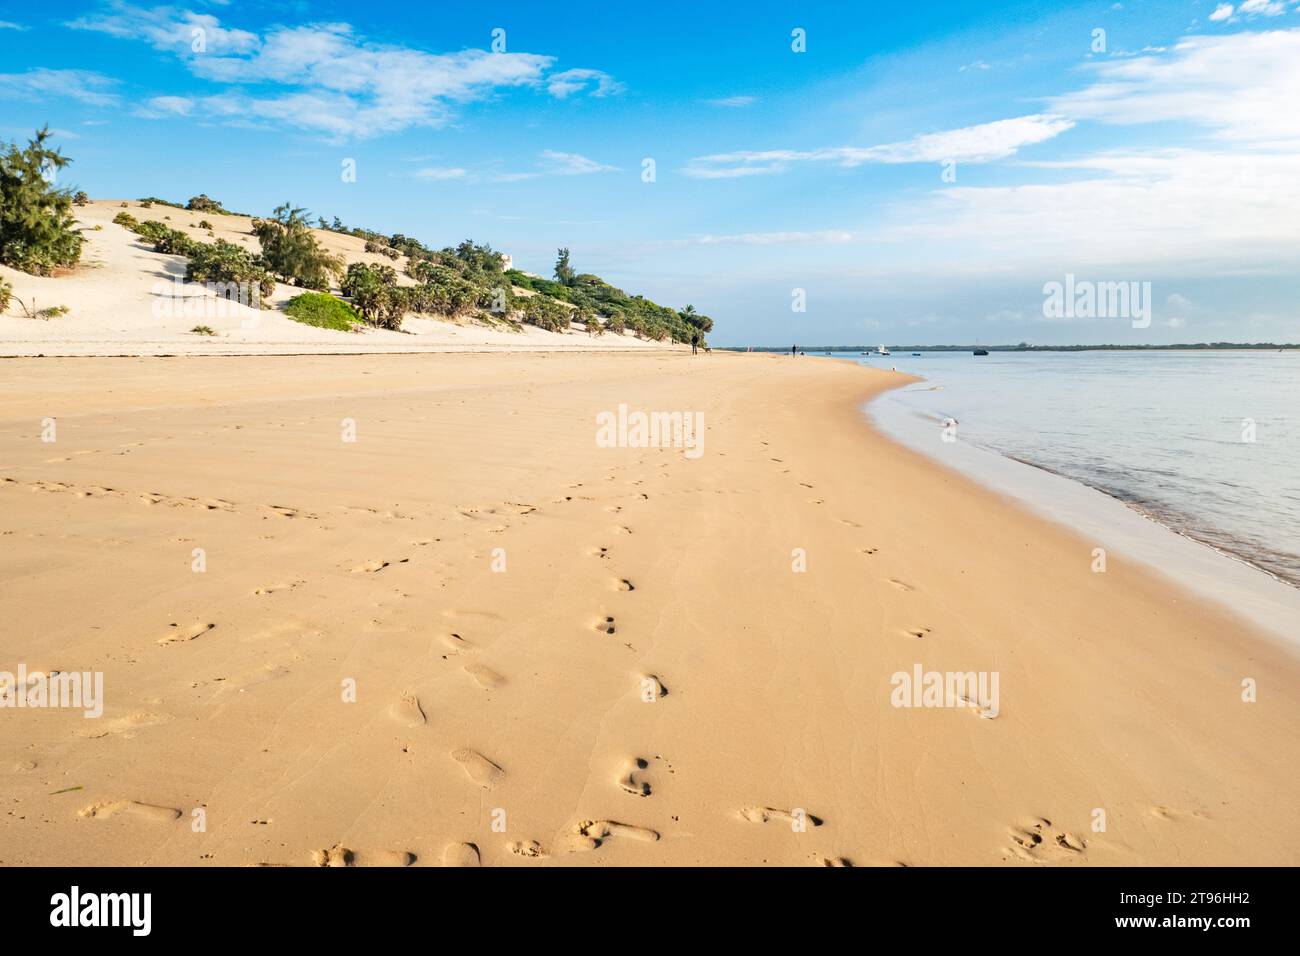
x=292, y=252
x=38, y=233
x=563, y=271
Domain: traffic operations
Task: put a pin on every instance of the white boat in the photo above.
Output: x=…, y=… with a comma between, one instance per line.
x=882, y=351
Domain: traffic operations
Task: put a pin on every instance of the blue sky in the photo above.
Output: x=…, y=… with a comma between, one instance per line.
x=1169, y=156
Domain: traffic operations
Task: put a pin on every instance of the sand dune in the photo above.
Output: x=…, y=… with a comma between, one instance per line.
x=474, y=636
x=126, y=299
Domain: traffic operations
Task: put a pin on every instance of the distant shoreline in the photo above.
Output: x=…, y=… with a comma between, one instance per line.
x=1181, y=347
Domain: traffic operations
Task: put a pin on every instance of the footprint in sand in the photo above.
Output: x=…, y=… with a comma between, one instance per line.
x=983, y=711
x=631, y=780
x=530, y=849
x=406, y=710
x=370, y=567
x=479, y=769
x=651, y=687
x=276, y=588
x=339, y=855
x=145, y=811
x=180, y=634
x=456, y=644
x=868, y=550
x=794, y=817
x=605, y=625
x=122, y=725
x=917, y=632
x=1168, y=813
x=461, y=854
x=901, y=585
x=834, y=861
x=590, y=834
x=623, y=584
x=487, y=678
x=1034, y=839
x=598, y=552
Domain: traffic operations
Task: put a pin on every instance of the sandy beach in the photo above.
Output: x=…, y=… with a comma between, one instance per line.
x=475, y=635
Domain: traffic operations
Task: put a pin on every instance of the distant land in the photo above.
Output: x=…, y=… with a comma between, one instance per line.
x=1024, y=347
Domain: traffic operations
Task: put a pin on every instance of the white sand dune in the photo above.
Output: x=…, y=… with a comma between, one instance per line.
x=125, y=299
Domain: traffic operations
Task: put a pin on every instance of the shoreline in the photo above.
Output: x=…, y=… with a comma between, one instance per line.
x=651, y=679
x=1227, y=579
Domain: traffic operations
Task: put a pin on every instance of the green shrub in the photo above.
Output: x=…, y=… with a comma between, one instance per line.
x=126, y=220
x=322, y=310
x=81, y=199
x=291, y=251
x=38, y=233
x=204, y=224
x=173, y=242
x=375, y=294
x=546, y=314
x=152, y=230
x=226, y=263
x=201, y=203
x=6, y=293
x=203, y=330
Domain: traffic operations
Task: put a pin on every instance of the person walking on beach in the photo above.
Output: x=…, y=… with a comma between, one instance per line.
x=794, y=350
x=695, y=343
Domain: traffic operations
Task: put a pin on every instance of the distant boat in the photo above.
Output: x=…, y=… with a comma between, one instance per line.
x=981, y=351
x=882, y=351
x=916, y=355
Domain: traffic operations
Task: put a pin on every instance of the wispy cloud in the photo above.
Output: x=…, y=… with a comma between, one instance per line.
x=732, y=102
x=971, y=144
x=597, y=82
x=325, y=78
x=818, y=238
x=1250, y=9
x=550, y=163
x=441, y=173
x=1234, y=84
x=10, y=25
x=84, y=86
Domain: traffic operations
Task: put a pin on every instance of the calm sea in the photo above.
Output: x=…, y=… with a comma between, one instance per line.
x=1207, y=443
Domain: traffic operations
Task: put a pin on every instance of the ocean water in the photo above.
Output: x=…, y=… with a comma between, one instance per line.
x=1206, y=443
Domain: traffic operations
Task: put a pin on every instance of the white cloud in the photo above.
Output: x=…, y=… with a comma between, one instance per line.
x=441, y=173
x=1222, y=12
x=550, y=163
x=325, y=78
x=1236, y=85
x=1192, y=212
x=972, y=144
x=1263, y=8
x=10, y=25
x=600, y=83
x=821, y=237
x=159, y=106
x=732, y=102
x=84, y=86
x=573, y=164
